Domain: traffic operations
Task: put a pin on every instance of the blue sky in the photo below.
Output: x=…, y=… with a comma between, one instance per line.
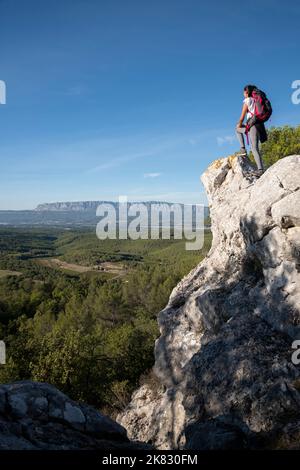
x=136, y=98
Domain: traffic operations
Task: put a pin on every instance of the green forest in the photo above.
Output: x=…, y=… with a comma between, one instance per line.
x=90, y=334
x=282, y=141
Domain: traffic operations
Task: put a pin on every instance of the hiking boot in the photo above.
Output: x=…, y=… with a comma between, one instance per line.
x=256, y=173
x=242, y=152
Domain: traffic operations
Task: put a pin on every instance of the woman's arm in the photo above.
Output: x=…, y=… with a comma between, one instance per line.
x=244, y=112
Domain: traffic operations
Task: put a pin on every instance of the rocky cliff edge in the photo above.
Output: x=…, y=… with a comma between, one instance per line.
x=224, y=377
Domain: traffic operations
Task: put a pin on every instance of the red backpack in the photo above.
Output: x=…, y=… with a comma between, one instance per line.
x=263, y=108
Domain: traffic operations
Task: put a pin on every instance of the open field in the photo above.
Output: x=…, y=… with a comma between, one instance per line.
x=112, y=268
x=40, y=253
x=7, y=272
x=58, y=263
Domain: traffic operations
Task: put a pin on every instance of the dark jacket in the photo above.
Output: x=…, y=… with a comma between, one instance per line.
x=263, y=136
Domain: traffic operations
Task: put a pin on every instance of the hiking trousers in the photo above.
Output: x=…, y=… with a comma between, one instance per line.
x=254, y=141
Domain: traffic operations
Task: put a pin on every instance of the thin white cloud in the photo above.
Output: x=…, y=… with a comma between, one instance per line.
x=113, y=162
x=89, y=155
x=149, y=148
x=228, y=139
x=151, y=175
x=145, y=146
x=192, y=141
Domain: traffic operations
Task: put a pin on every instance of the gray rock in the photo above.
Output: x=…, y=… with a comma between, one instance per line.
x=2, y=401
x=73, y=414
x=227, y=330
x=41, y=403
x=215, y=435
x=38, y=416
x=18, y=405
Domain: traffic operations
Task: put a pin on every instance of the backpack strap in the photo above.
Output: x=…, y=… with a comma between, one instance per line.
x=247, y=133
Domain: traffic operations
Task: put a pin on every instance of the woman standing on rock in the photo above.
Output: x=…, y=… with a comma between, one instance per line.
x=257, y=109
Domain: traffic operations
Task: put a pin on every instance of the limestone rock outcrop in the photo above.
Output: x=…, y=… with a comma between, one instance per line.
x=225, y=378
x=37, y=416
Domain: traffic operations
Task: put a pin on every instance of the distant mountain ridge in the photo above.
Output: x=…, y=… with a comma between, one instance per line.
x=92, y=205
x=70, y=214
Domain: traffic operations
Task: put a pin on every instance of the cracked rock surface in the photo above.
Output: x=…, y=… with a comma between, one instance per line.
x=223, y=360
x=37, y=416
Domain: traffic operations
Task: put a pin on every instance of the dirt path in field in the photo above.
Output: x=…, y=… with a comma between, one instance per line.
x=107, y=267
x=7, y=272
